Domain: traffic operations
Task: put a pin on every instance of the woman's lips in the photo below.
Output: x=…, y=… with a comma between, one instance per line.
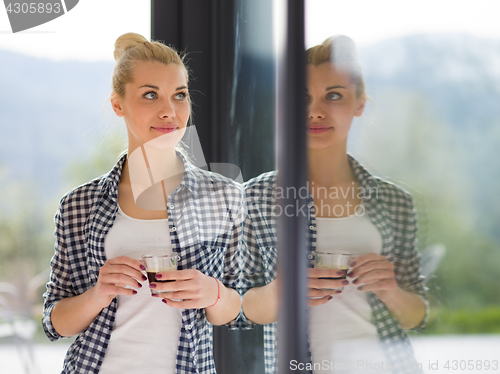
x=318, y=129
x=165, y=129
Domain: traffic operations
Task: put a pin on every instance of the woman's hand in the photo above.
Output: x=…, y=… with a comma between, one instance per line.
x=114, y=277
x=72, y=315
x=374, y=273
x=322, y=284
x=190, y=288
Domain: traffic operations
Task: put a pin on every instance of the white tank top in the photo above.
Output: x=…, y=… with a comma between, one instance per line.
x=146, y=332
x=342, y=336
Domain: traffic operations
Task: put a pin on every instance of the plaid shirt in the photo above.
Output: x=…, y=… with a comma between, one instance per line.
x=205, y=219
x=389, y=208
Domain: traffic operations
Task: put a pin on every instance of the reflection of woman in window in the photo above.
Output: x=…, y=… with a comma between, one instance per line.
x=97, y=289
x=350, y=211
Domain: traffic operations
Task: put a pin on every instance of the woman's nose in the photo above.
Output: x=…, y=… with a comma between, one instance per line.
x=314, y=111
x=167, y=110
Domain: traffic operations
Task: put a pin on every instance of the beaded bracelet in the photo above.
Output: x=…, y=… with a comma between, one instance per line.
x=218, y=293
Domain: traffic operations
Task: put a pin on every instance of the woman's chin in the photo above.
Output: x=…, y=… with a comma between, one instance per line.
x=166, y=141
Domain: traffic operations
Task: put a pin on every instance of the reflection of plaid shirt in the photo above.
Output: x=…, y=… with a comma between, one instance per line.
x=205, y=218
x=389, y=208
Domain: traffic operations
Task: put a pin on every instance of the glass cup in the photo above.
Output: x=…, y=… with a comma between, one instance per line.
x=338, y=261
x=158, y=263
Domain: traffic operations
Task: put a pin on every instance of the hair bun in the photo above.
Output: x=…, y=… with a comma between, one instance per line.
x=344, y=49
x=127, y=41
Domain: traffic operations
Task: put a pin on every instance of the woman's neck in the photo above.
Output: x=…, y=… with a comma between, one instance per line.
x=329, y=167
x=147, y=166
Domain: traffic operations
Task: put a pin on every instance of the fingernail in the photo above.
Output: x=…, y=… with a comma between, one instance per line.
x=340, y=272
x=164, y=301
x=355, y=281
x=158, y=276
x=345, y=282
x=142, y=267
x=144, y=278
x=338, y=291
x=350, y=275
x=152, y=285
x=360, y=288
x=330, y=297
x=154, y=294
x=352, y=264
x=134, y=292
x=139, y=285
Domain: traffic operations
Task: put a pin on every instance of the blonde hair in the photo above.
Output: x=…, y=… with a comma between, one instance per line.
x=339, y=50
x=131, y=49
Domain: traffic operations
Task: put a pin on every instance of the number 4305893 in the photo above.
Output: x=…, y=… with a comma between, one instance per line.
x=33, y=8
x=471, y=365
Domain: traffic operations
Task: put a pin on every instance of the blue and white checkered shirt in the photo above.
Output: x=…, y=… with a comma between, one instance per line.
x=205, y=220
x=389, y=208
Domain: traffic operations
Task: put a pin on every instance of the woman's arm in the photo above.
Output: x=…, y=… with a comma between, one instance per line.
x=72, y=315
x=193, y=289
x=226, y=308
x=375, y=273
x=260, y=304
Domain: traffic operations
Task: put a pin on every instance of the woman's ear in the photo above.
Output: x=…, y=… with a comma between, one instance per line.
x=116, y=104
x=361, y=106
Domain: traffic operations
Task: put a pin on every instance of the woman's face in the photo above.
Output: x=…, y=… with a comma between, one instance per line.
x=331, y=106
x=155, y=104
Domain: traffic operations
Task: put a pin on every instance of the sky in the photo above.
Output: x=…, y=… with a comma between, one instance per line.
x=88, y=31
x=368, y=21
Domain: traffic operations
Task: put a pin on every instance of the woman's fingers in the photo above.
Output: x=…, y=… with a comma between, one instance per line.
x=313, y=292
x=367, y=263
x=124, y=265
x=319, y=301
x=326, y=279
x=109, y=289
x=196, y=289
x=119, y=280
x=383, y=285
x=327, y=283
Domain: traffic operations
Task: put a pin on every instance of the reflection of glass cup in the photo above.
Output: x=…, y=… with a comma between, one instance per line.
x=158, y=263
x=336, y=261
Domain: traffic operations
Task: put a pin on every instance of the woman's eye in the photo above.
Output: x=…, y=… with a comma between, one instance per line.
x=333, y=96
x=180, y=96
x=150, y=95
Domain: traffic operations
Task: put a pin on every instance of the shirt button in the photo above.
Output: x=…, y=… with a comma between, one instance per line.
x=173, y=228
x=172, y=206
x=310, y=256
x=189, y=327
x=309, y=205
x=311, y=227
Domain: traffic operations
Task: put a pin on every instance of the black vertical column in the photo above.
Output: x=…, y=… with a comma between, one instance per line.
x=292, y=253
x=230, y=55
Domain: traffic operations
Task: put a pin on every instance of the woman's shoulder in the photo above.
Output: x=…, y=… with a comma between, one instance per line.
x=392, y=192
x=264, y=181
x=210, y=181
x=380, y=188
x=82, y=195
x=88, y=193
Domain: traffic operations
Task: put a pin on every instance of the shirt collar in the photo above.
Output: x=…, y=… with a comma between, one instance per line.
x=367, y=182
x=189, y=180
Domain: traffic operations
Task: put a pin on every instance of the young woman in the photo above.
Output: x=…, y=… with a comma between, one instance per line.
x=97, y=288
x=361, y=328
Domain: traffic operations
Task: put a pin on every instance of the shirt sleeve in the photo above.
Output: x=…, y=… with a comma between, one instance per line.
x=408, y=263
x=233, y=266
x=59, y=285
